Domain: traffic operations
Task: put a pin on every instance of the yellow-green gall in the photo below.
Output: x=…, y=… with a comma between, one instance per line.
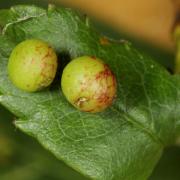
x=88, y=84
x=32, y=65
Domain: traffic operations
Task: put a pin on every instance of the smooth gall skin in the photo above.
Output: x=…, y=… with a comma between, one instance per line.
x=88, y=84
x=32, y=65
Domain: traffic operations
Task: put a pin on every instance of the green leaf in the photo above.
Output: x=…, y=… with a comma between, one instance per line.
x=123, y=142
x=19, y=162
x=17, y=14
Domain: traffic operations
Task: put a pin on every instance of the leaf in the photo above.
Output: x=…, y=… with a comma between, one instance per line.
x=18, y=14
x=123, y=142
x=19, y=162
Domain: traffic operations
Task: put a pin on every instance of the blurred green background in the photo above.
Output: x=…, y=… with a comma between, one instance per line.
x=22, y=158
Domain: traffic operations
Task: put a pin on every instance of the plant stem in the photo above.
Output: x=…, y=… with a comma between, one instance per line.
x=176, y=33
x=177, y=42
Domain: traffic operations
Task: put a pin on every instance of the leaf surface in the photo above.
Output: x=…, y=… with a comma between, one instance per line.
x=123, y=142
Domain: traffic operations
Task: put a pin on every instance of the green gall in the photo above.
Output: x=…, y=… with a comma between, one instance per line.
x=32, y=65
x=88, y=84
